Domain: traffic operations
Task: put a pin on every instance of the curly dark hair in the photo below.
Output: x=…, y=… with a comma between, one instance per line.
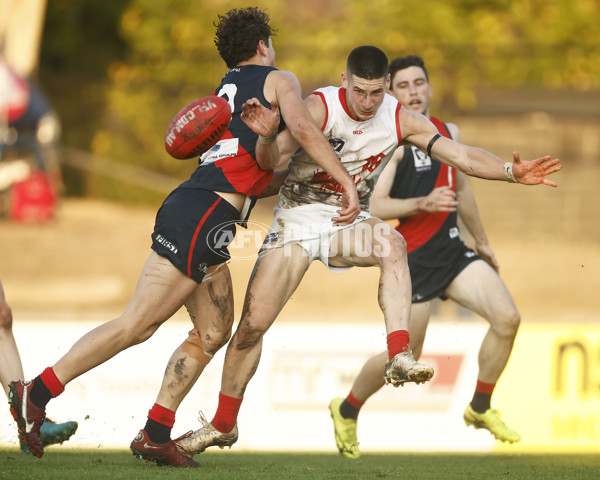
x=238, y=34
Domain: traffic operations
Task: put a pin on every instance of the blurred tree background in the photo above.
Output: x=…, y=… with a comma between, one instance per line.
x=118, y=71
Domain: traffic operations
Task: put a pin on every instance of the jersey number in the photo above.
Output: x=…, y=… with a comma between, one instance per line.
x=228, y=91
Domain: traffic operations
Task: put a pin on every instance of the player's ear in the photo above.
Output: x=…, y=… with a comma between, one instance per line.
x=387, y=82
x=262, y=48
x=344, y=80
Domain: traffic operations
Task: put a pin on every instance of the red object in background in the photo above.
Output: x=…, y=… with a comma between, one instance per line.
x=14, y=94
x=33, y=199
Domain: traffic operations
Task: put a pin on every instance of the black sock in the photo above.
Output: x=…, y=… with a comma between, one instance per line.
x=348, y=411
x=40, y=394
x=157, y=432
x=481, y=402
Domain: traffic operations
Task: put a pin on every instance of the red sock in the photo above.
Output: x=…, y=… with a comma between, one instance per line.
x=162, y=415
x=226, y=416
x=396, y=342
x=52, y=382
x=355, y=402
x=486, y=388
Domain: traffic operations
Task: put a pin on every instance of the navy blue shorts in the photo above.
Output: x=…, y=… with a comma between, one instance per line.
x=193, y=229
x=431, y=271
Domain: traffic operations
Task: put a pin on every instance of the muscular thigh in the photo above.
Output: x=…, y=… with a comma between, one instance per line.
x=161, y=290
x=275, y=277
x=480, y=289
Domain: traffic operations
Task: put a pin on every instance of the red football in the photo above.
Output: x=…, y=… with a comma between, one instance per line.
x=197, y=127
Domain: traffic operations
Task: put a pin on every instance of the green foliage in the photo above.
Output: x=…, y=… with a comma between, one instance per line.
x=122, y=69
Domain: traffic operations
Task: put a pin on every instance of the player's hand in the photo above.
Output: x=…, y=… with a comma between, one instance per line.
x=486, y=252
x=259, y=119
x=441, y=199
x=350, y=207
x=534, y=172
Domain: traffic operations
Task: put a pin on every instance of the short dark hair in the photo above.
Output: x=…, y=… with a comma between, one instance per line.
x=238, y=34
x=401, y=63
x=367, y=62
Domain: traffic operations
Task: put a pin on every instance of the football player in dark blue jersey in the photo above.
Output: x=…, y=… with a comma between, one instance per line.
x=188, y=262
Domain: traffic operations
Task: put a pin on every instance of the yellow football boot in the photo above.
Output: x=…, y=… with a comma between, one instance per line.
x=490, y=420
x=345, y=430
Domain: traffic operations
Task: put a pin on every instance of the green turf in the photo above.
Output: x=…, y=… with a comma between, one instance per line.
x=101, y=464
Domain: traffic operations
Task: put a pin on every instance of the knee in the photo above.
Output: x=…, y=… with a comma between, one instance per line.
x=249, y=333
x=215, y=340
x=134, y=333
x=5, y=316
x=390, y=248
x=208, y=341
x=507, y=323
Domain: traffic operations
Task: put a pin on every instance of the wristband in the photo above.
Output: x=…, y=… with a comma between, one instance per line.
x=434, y=139
x=268, y=140
x=507, y=169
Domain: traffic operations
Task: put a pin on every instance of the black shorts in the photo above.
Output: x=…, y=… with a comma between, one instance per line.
x=432, y=270
x=193, y=229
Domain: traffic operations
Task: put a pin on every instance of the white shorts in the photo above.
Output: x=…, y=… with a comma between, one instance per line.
x=309, y=226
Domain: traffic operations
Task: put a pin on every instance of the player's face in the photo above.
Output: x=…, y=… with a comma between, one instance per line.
x=411, y=89
x=364, y=97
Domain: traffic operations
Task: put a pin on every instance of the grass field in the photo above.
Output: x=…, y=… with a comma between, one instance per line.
x=227, y=465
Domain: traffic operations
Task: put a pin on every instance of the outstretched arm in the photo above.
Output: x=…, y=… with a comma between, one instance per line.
x=474, y=161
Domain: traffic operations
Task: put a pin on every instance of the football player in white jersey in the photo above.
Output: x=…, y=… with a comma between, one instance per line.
x=440, y=265
x=364, y=126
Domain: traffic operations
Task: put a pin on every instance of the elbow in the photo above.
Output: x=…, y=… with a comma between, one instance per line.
x=377, y=210
x=267, y=157
x=267, y=165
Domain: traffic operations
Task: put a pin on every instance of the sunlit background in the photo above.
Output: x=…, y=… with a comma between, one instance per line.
x=513, y=75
